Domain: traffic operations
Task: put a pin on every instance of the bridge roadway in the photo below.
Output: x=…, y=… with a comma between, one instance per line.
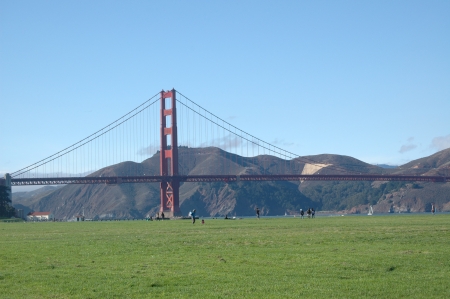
x=223, y=178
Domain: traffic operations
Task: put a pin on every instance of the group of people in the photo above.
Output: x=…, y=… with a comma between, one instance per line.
x=158, y=217
x=311, y=213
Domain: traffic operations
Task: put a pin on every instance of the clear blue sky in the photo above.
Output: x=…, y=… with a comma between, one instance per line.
x=367, y=79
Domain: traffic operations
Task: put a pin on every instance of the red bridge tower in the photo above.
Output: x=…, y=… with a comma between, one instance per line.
x=170, y=195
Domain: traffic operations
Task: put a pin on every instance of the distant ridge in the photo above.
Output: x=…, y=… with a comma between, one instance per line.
x=386, y=166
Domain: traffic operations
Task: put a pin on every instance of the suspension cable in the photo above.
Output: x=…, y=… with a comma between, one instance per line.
x=278, y=150
x=16, y=173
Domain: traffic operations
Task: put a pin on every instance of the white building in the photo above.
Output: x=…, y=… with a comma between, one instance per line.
x=40, y=216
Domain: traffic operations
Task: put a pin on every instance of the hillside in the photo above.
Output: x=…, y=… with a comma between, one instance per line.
x=436, y=164
x=356, y=197
x=273, y=198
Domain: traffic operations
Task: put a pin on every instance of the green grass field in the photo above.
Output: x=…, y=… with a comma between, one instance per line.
x=326, y=257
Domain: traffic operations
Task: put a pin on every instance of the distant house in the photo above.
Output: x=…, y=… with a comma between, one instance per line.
x=40, y=216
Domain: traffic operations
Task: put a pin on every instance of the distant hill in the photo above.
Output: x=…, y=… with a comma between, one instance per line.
x=436, y=164
x=356, y=197
x=242, y=198
x=25, y=200
x=386, y=166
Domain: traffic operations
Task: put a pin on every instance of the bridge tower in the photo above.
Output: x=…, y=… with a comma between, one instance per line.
x=170, y=195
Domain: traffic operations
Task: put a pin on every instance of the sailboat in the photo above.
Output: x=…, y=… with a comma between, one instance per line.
x=370, y=211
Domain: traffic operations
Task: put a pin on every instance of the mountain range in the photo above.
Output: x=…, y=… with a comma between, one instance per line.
x=242, y=198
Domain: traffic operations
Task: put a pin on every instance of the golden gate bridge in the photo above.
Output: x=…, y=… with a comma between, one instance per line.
x=135, y=137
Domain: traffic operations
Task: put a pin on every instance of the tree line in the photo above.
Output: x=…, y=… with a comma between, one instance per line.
x=6, y=209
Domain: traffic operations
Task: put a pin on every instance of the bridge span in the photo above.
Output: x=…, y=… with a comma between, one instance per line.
x=222, y=178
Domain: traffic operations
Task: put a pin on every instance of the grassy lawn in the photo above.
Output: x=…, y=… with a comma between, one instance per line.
x=326, y=257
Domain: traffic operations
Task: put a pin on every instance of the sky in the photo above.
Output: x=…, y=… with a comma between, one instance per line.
x=366, y=79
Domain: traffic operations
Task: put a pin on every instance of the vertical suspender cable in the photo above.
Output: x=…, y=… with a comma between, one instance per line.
x=188, y=121
x=127, y=140
x=122, y=146
x=146, y=137
x=135, y=143
x=236, y=147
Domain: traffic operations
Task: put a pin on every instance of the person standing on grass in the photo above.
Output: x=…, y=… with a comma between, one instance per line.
x=432, y=208
x=313, y=213
x=302, y=213
x=257, y=213
x=193, y=216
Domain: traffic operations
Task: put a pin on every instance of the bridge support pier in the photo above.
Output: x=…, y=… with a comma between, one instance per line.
x=170, y=188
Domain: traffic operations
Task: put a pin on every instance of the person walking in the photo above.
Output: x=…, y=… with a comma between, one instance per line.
x=257, y=213
x=313, y=213
x=433, y=209
x=193, y=216
x=302, y=213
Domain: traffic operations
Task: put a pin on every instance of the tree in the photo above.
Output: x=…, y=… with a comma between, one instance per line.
x=6, y=210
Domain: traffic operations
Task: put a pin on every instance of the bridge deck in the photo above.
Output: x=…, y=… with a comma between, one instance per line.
x=222, y=178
